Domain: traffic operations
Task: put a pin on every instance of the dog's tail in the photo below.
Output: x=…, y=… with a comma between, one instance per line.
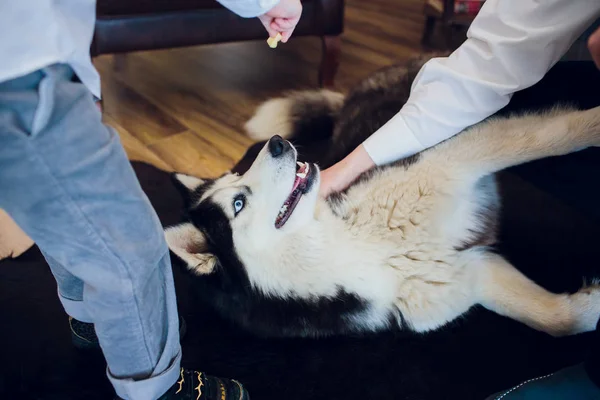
x=500, y=142
x=300, y=114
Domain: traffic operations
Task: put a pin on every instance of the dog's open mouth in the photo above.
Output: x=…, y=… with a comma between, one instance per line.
x=302, y=183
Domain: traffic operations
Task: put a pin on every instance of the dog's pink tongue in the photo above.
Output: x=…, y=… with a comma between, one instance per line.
x=296, y=183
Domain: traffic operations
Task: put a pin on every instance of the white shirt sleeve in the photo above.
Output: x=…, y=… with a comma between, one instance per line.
x=510, y=46
x=248, y=8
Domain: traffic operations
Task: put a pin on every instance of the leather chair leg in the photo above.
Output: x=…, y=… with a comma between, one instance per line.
x=330, y=60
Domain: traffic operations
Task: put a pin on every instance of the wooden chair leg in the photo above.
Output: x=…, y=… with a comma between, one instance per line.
x=330, y=60
x=450, y=35
x=428, y=30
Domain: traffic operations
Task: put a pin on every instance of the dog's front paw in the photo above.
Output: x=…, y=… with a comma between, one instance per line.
x=586, y=307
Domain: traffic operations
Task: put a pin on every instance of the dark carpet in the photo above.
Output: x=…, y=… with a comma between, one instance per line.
x=550, y=230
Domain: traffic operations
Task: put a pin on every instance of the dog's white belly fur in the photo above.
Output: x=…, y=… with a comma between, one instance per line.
x=415, y=223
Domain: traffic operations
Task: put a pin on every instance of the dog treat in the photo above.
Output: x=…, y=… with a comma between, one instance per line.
x=272, y=41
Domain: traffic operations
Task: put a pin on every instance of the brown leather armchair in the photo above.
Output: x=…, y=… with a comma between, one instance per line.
x=132, y=25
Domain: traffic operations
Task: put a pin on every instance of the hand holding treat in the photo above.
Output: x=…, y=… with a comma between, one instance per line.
x=281, y=21
x=272, y=41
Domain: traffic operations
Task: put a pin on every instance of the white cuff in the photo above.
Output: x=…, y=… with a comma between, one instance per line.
x=392, y=142
x=249, y=8
x=267, y=4
x=149, y=388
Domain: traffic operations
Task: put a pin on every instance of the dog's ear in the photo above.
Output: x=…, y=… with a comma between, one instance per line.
x=187, y=183
x=189, y=244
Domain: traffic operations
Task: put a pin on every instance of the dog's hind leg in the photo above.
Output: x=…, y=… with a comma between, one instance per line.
x=500, y=143
x=501, y=288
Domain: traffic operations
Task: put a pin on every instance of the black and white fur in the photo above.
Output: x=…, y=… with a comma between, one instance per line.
x=407, y=245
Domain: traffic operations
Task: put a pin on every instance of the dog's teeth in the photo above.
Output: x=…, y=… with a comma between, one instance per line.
x=301, y=175
x=299, y=164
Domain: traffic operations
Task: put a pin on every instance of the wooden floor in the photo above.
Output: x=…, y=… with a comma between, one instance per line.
x=184, y=109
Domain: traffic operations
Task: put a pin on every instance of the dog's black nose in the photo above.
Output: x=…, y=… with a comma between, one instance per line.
x=278, y=146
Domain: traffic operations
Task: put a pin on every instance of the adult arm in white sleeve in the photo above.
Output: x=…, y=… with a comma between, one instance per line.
x=510, y=46
x=249, y=8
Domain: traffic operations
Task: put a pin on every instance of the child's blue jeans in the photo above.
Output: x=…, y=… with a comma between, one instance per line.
x=66, y=180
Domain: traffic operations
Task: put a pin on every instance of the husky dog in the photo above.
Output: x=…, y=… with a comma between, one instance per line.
x=407, y=245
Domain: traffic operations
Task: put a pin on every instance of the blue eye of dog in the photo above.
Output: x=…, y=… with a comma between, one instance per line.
x=238, y=204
